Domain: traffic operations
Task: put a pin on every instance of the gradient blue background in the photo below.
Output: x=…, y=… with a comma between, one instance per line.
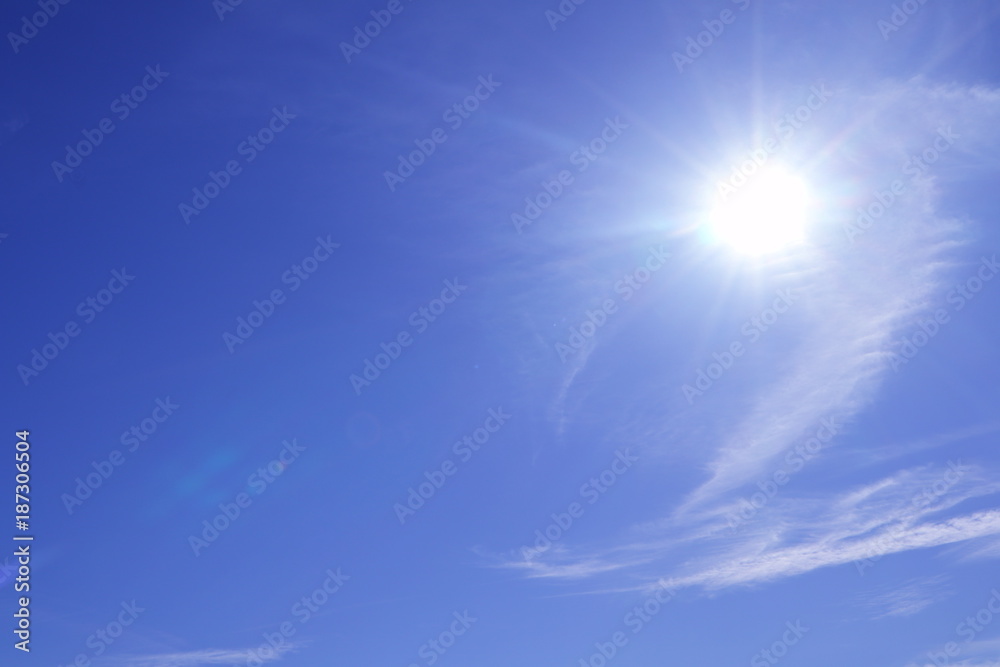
x=495, y=346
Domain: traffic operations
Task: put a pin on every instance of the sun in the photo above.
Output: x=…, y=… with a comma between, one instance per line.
x=769, y=213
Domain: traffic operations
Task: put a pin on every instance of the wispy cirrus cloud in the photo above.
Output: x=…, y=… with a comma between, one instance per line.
x=859, y=296
x=911, y=598
x=859, y=526
x=798, y=535
x=206, y=657
x=847, y=328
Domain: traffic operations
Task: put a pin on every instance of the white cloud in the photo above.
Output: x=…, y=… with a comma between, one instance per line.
x=906, y=511
x=862, y=533
x=857, y=302
x=205, y=657
x=908, y=599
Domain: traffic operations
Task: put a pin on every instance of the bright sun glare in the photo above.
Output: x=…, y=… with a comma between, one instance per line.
x=767, y=214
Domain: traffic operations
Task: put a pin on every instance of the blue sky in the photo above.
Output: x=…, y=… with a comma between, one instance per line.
x=534, y=333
